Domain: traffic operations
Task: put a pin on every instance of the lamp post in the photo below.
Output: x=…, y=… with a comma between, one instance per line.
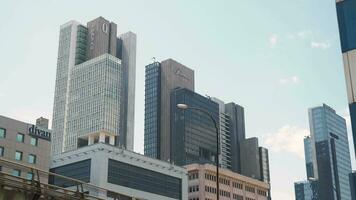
x=186, y=107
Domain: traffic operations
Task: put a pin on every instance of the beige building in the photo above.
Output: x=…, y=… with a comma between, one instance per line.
x=232, y=186
x=26, y=144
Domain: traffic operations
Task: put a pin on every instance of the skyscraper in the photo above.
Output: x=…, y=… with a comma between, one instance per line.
x=193, y=134
x=327, y=152
x=161, y=79
x=308, y=154
x=346, y=15
x=237, y=133
x=95, y=80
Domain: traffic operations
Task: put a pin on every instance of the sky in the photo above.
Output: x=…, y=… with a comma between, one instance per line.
x=275, y=58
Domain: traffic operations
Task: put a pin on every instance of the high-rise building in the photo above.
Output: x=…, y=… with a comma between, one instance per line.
x=327, y=153
x=237, y=133
x=332, y=164
x=193, y=134
x=95, y=80
x=250, y=156
x=308, y=154
x=306, y=190
x=346, y=15
x=161, y=79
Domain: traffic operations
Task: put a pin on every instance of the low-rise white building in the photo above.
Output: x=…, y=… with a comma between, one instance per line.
x=122, y=171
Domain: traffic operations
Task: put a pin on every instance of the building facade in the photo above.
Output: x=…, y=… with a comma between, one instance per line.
x=122, y=171
x=193, y=134
x=346, y=15
x=306, y=190
x=93, y=64
x=332, y=164
x=327, y=152
x=25, y=144
x=308, y=154
x=202, y=184
x=161, y=79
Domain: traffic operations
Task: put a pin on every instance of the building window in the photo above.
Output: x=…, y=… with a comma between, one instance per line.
x=20, y=137
x=2, y=133
x=18, y=155
x=16, y=172
x=29, y=176
x=33, y=141
x=31, y=159
x=1, y=151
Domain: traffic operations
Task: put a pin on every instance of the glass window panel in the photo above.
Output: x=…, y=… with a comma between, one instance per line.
x=18, y=155
x=2, y=133
x=31, y=159
x=16, y=172
x=33, y=141
x=20, y=137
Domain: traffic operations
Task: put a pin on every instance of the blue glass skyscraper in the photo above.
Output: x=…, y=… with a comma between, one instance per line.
x=327, y=157
x=332, y=164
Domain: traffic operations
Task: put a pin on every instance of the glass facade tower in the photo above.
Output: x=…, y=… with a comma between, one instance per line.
x=193, y=134
x=152, y=110
x=327, y=154
x=95, y=80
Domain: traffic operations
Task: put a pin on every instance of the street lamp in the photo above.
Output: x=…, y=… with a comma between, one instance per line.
x=186, y=107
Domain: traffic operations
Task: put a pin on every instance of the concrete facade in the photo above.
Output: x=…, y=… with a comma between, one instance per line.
x=33, y=144
x=100, y=156
x=233, y=186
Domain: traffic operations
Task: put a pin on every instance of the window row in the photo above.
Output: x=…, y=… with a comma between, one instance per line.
x=194, y=188
x=19, y=137
x=31, y=158
x=193, y=175
x=16, y=172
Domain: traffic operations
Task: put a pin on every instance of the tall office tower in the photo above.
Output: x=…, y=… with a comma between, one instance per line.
x=161, y=79
x=193, y=134
x=308, y=154
x=306, y=190
x=346, y=15
x=332, y=164
x=225, y=137
x=250, y=158
x=264, y=164
x=327, y=152
x=237, y=133
x=95, y=85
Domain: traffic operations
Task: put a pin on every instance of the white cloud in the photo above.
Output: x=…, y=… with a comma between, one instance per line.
x=288, y=139
x=273, y=39
x=320, y=45
x=289, y=80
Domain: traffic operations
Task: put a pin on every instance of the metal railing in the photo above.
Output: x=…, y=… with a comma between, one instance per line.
x=38, y=188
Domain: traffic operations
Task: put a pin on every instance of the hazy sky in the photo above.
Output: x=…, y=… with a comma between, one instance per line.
x=276, y=58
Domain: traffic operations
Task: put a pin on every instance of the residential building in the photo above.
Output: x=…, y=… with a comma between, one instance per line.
x=193, y=134
x=95, y=80
x=346, y=14
x=122, y=171
x=26, y=144
x=306, y=190
x=327, y=151
x=161, y=79
x=234, y=186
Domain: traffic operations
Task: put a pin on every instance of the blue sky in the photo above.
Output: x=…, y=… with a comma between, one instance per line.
x=276, y=58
